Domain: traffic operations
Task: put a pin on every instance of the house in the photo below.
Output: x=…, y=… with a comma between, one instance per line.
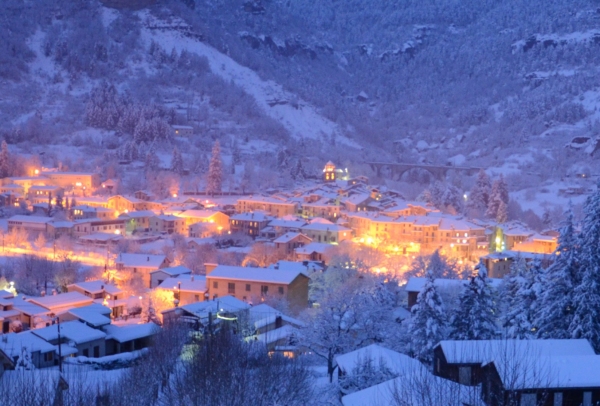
x=210, y=221
x=323, y=208
x=88, y=341
x=94, y=315
x=110, y=185
x=73, y=180
x=30, y=224
x=137, y=220
x=129, y=338
x=198, y=314
x=100, y=291
x=284, y=225
x=327, y=232
x=314, y=251
x=43, y=194
x=397, y=363
x=31, y=315
x=288, y=242
x=356, y=202
x=248, y=223
x=186, y=288
x=141, y=264
x=61, y=302
x=273, y=206
x=572, y=380
x=100, y=239
x=88, y=212
x=56, y=229
x=462, y=361
x=168, y=224
x=95, y=225
x=182, y=130
x=249, y=283
x=42, y=352
x=160, y=275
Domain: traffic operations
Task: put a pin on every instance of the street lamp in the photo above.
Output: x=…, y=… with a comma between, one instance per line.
x=56, y=319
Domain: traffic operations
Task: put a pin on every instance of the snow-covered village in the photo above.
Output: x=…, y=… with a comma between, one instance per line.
x=239, y=203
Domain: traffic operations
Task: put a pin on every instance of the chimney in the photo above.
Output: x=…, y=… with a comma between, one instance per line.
x=148, y=259
x=210, y=267
x=192, y=278
x=102, y=287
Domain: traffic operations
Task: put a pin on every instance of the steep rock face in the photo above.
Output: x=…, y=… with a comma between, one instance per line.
x=130, y=4
x=288, y=47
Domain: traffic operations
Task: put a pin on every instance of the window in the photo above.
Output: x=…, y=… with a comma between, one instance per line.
x=215, y=285
x=86, y=352
x=558, y=399
x=231, y=288
x=49, y=356
x=280, y=290
x=196, y=298
x=464, y=375
x=264, y=290
x=438, y=365
x=244, y=298
x=529, y=399
x=247, y=287
x=96, y=351
x=587, y=398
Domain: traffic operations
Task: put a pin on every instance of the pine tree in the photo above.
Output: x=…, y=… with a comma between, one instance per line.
x=480, y=193
x=201, y=164
x=236, y=155
x=297, y=171
x=522, y=291
x=556, y=301
x=498, y=195
x=428, y=323
x=586, y=301
x=152, y=161
x=177, y=162
x=283, y=156
x=475, y=318
x=4, y=160
x=502, y=214
x=215, y=171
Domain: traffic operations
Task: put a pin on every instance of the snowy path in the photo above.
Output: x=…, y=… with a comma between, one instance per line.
x=302, y=122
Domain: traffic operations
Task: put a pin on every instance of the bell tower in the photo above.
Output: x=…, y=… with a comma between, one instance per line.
x=329, y=172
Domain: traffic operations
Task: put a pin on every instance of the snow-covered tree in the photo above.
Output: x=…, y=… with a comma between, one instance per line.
x=475, y=317
x=521, y=291
x=366, y=373
x=152, y=161
x=4, y=160
x=24, y=362
x=498, y=196
x=215, y=171
x=556, y=302
x=177, y=162
x=149, y=312
x=429, y=322
x=480, y=193
x=297, y=172
x=438, y=265
x=445, y=197
x=586, y=300
x=236, y=155
x=502, y=214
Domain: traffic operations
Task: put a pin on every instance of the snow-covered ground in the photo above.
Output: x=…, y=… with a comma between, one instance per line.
x=304, y=121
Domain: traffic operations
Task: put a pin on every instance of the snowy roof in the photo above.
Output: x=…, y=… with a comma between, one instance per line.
x=130, y=332
x=62, y=300
x=264, y=199
x=576, y=371
x=12, y=343
x=419, y=389
x=97, y=286
x=272, y=336
x=483, y=351
x=287, y=237
x=416, y=284
x=290, y=266
x=30, y=219
x=200, y=214
x=317, y=247
x=357, y=198
x=287, y=223
x=185, y=283
x=61, y=224
x=74, y=331
x=91, y=317
x=28, y=308
x=325, y=227
x=174, y=270
x=268, y=275
x=395, y=361
x=256, y=216
x=141, y=260
x=138, y=214
x=167, y=217
x=201, y=309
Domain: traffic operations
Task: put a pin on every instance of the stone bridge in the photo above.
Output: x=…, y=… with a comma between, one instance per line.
x=396, y=170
